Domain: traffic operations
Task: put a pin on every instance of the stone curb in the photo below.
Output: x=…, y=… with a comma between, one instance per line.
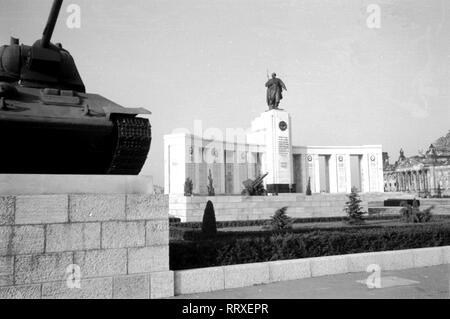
x=218, y=278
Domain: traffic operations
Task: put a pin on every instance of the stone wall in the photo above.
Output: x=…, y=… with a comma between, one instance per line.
x=192, y=281
x=117, y=243
x=190, y=209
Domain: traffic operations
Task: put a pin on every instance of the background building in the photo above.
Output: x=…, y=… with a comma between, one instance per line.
x=426, y=174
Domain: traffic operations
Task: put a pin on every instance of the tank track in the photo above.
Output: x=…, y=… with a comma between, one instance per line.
x=133, y=144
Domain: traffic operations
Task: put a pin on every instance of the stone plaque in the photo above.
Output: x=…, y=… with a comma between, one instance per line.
x=341, y=174
x=373, y=173
x=283, y=145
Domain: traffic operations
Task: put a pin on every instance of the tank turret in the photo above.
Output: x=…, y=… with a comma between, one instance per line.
x=49, y=123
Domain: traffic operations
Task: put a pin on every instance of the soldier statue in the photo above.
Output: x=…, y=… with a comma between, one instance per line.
x=274, y=89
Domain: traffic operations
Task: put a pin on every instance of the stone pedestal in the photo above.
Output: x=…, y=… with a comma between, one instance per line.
x=89, y=245
x=37, y=184
x=273, y=130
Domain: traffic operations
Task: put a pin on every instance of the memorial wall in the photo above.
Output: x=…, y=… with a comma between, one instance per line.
x=267, y=148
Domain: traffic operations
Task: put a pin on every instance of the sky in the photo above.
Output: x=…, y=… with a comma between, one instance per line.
x=348, y=84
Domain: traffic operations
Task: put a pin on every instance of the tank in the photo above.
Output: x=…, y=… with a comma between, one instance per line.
x=50, y=125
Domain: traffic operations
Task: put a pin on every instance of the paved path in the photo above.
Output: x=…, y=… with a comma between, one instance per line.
x=427, y=282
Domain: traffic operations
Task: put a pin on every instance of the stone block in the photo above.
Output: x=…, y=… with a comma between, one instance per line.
x=92, y=207
x=101, y=263
x=161, y=284
x=446, y=254
x=328, y=265
x=21, y=240
x=28, y=239
x=49, y=184
x=360, y=262
x=6, y=271
x=41, y=209
x=145, y=207
x=148, y=259
x=6, y=240
x=131, y=287
x=199, y=280
x=41, y=268
x=122, y=234
x=246, y=275
x=97, y=288
x=157, y=232
x=7, y=210
x=289, y=269
x=74, y=236
x=425, y=257
x=21, y=292
x=399, y=259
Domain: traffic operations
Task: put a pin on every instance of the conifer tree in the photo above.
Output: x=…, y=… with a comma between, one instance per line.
x=209, y=227
x=353, y=207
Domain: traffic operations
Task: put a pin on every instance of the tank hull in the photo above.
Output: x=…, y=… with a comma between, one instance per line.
x=43, y=147
x=95, y=136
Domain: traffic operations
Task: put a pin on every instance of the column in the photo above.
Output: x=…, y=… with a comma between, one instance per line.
x=408, y=181
x=419, y=177
x=333, y=173
x=316, y=187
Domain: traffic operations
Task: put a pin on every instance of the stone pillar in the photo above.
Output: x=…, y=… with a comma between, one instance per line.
x=410, y=185
x=341, y=168
x=316, y=187
x=418, y=181
x=405, y=175
x=333, y=173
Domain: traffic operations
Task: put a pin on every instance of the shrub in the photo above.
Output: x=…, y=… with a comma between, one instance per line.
x=210, y=185
x=280, y=221
x=188, y=187
x=412, y=213
x=354, y=210
x=209, y=228
x=308, y=187
x=186, y=255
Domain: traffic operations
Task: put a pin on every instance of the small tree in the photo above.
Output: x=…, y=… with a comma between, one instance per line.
x=188, y=187
x=280, y=221
x=308, y=187
x=209, y=227
x=210, y=185
x=353, y=207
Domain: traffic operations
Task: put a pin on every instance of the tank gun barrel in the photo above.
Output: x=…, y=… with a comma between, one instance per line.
x=50, y=26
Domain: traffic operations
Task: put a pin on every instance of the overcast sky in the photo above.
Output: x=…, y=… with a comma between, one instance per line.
x=348, y=84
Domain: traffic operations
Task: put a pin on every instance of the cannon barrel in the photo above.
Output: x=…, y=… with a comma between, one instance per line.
x=50, y=26
x=259, y=180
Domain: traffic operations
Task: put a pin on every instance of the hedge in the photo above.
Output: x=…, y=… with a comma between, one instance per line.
x=180, y=233
x=187, y=255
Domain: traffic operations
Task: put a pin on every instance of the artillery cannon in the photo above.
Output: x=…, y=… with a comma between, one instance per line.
x=50, y=125
x=254, y=187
